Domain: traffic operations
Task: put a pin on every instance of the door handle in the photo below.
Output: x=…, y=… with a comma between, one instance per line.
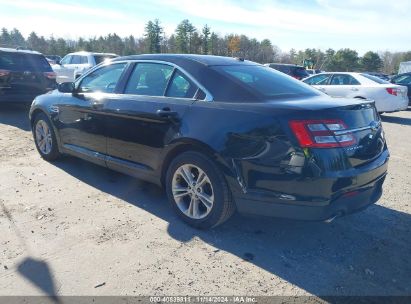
x=167, y=113
x=354, y=89
x=97, y=106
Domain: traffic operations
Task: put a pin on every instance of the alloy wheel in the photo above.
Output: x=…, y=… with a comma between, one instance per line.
x=192, y=191
x=44, y=139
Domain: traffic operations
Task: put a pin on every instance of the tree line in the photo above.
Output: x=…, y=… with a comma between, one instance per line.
x=189, y=39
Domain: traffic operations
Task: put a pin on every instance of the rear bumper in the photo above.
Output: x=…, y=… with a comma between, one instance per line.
x=342, y=206
x=367, y=191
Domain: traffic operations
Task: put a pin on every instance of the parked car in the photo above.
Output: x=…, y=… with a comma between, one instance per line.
x=379, y=75
x=388, y=97
x=83, y=61
x=404, y=80
x=296, y=71
x=313, y=71
x=24, y=74
x=53, y=59
x=63, y=74
x=221, y=134
x=405, y=67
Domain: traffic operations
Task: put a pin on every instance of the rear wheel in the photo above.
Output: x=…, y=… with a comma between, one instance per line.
x=45, y=138
x=198, y=191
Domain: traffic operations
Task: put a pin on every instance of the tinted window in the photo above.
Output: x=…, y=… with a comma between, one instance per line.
x=344, y=80
x=24, y=62
x=101, y=58
x=103, y=79
x=403, y=79
x=200, y=95
x=66, y=60
x=181, y=86
x=266, y=81
x=149, y=79
x=83, y=60
x=374, y=78
x=282, y=68
x=318, y=80
x=301, y=72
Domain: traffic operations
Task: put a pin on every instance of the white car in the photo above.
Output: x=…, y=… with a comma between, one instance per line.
x=388, y=97
x=80, y=62
x=63, y=74
x=313, y=71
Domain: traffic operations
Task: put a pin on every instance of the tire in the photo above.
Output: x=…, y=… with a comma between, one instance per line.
x=49, y=150
x=213, y=186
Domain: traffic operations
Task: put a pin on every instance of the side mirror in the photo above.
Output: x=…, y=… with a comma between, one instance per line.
x=66, y=87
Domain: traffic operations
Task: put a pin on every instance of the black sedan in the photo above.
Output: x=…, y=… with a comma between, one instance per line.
x=220, y=134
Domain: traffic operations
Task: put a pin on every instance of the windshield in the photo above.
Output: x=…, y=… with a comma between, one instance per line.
x=374, y=78
x=101, y=58
x=266, y=81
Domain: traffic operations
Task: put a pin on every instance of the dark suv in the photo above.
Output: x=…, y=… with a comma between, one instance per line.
x=24, y=75
x=297, y=71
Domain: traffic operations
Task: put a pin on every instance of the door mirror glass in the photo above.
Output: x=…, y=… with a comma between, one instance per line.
x=66, y=87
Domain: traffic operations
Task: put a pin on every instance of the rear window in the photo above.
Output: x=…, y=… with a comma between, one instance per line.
x=301, y=72
x=374, y=78
x=267, y=82
x=101, y=58
x=24, y=62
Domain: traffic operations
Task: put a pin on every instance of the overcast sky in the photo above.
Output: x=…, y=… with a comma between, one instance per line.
x=363, y=25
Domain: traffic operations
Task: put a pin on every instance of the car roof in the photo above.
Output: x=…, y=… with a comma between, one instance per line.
x=22, y=51
x=200, y=68
x=91, y=53
x=205, y=60
x=286, y=64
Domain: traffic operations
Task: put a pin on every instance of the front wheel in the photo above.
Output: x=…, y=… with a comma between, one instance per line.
x=198, y=191
x=44, y=138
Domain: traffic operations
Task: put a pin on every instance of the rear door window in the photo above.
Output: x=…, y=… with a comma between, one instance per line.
x=83, y=60
x=181, y=86
x=76, y=59
x=149, y=79
x=343, y=79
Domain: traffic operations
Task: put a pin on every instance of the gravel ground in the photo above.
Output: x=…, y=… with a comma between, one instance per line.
x=73, y=228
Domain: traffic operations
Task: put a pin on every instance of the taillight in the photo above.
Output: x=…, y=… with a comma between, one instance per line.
x=393, y=91
x=50, y=75
x=329, y=133
x=4, y=73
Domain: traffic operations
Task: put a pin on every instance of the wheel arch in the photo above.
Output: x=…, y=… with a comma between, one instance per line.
x=185, y=145
x=36, y=112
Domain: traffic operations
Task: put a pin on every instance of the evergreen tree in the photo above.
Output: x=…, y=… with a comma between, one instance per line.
x=205, y=39
x=154, y=36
